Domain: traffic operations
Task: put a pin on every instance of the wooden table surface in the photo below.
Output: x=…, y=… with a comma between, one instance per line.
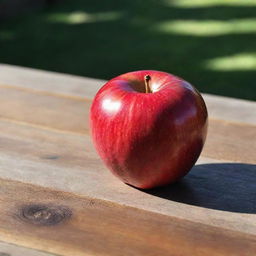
x=57, y=198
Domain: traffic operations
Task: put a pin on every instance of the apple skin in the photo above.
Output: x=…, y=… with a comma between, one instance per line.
x=148, y=139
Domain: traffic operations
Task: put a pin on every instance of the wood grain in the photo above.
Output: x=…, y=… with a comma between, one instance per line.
x=219, y=107
x=45, y=81
x=230, y=109
x=7, y=249
x=231, y=141
x=71, y=115
x=96, y=227
x=67, y=162
x=58, y=197
x=61, y=113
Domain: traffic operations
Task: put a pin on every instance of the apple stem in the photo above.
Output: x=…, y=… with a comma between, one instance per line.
x=147, y=78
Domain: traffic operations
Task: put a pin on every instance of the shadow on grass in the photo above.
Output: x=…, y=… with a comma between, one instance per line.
x=104, y=39
x=228, y=187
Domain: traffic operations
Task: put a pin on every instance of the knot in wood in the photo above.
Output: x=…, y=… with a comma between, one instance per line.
x=45, y=215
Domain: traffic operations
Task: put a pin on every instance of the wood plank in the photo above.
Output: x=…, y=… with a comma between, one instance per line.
x=235, y=142
x=71, y=115
x=51, y=82
x=62, y=113
x=230, y=109
x=14, y=250
x=219, y=107
x=69, y=225
x=47, y=158
x=34, y=156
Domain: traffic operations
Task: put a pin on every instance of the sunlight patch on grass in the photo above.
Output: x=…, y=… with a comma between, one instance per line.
x=81, y=17
x=207, y=27
x=6, y=35
x=242, y=61
x=209, y=3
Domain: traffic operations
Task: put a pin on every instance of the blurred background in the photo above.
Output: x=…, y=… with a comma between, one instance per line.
x=210, y=43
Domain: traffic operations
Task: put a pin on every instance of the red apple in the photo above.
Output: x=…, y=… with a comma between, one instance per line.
x=149, y=127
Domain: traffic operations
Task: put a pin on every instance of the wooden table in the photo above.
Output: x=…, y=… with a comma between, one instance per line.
x=58, y=199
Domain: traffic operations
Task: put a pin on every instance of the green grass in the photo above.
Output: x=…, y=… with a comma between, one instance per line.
x=210, y=43
x=206, y=3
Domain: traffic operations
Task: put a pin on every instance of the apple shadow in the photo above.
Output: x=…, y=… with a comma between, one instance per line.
x=226, y=186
